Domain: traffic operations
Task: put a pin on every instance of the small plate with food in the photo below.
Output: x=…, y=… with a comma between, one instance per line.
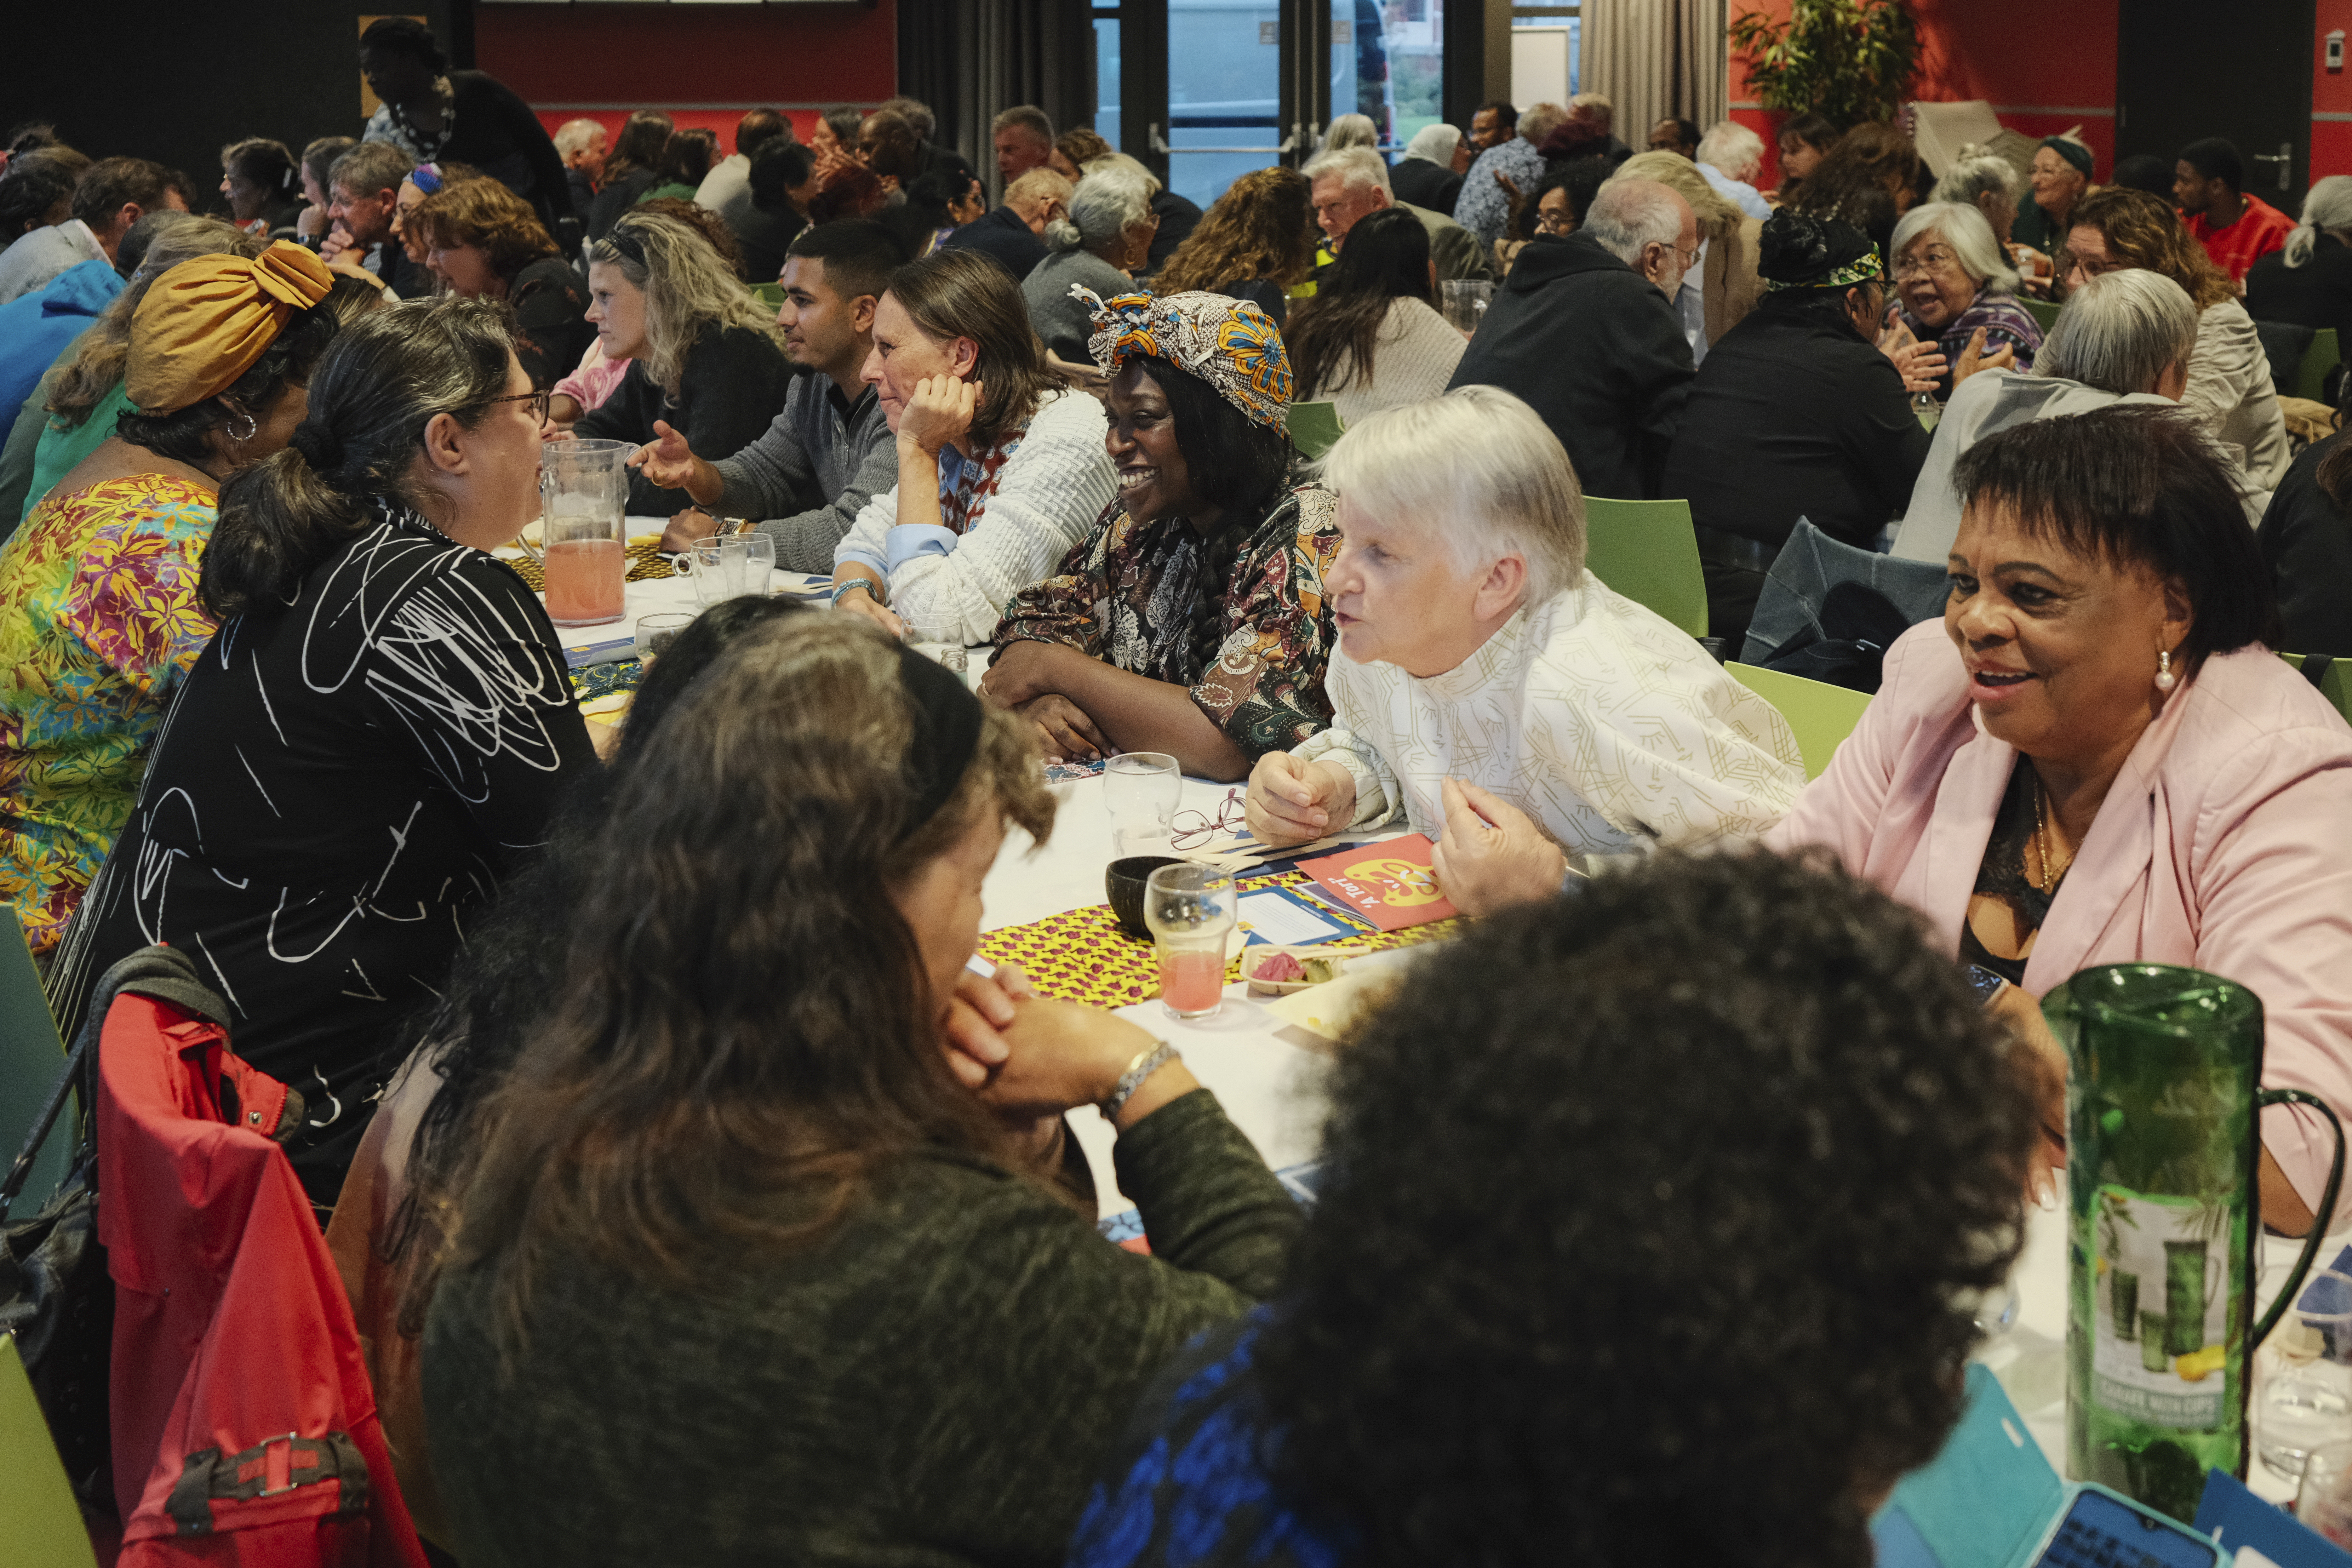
x=1273, y=970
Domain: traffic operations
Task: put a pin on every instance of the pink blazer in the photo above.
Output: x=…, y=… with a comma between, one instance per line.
x=2224, y=845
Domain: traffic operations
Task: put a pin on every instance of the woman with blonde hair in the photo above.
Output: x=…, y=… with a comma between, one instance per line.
x=2230, y=390
x=1257, y=243
x=1722, y=288
x=706, y=362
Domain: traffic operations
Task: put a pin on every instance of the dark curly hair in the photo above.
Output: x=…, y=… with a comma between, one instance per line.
x=1649, y=1228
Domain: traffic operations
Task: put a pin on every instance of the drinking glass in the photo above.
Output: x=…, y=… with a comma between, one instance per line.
x=583, y=495
x=1465, y=302
x=2305, y=1402
x=656, y=633
x=1142, y=789
x=2324, y=1500
x=727, y=567
x=1189, y=910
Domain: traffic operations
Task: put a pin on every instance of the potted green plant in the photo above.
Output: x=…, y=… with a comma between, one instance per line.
x=1848, y=59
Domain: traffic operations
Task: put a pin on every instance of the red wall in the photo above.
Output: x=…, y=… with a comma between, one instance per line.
x=2041, y=73
x=705, y=66
x=2331, y=93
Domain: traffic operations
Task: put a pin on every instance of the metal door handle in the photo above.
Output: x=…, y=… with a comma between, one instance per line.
x=2283, y=158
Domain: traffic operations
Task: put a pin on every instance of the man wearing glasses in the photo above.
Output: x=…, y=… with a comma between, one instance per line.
x=1584, y=329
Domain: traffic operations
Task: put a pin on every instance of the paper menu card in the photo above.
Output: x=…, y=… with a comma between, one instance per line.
x=1389, y=883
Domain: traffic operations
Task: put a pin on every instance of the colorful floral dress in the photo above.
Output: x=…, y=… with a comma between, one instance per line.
x=99, y=623
x=1240, y=618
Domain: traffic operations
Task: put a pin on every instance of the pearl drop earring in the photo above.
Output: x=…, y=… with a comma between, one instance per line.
x=2165, y=679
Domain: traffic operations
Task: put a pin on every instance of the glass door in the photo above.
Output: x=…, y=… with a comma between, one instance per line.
x=1224, y=94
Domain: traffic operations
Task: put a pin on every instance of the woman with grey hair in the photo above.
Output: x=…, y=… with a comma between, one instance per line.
x=1430, y=173
x=2124, y=337
x=1460, y=589
x=1350, y=131
x=1953, y=284
x=1987, y=181
x=2309, y=283
x=1101, y=245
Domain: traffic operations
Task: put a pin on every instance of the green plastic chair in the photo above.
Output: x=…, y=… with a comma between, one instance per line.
x=1314, y=428
x=39, y=1521
x=1821, y=715
x=2045, y=312
x=1648, y=551
x=31, y=1057
x=2322, y=356
x=769, y=294
x=2335, y=685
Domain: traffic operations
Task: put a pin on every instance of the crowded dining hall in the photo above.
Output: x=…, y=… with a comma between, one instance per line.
x=975, y=783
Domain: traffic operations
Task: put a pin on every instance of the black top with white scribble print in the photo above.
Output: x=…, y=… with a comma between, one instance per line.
x=336, y=790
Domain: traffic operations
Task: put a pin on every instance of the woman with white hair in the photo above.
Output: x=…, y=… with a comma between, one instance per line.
x=1100, y=245
x=1954, y=286
x=1730, y=158
x=1494, y=694
x=1985, y=181
x=2309, y=283
x=1430, y=173
x=1350, y=131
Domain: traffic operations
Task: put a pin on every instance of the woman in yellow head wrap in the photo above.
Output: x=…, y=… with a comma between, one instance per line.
x=98, y=616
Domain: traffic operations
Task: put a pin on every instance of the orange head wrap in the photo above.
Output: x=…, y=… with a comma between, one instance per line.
x=208, y=322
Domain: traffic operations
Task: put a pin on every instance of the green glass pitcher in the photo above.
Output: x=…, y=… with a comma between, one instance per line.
x=2163, y=1091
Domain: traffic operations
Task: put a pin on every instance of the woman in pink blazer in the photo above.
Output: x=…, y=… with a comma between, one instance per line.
x=2095, y=760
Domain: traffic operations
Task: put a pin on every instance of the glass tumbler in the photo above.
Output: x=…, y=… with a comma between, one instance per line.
x=1142, y=789
x=1189, y=909
x=2305, y=1401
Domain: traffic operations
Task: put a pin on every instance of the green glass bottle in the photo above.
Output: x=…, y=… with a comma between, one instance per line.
x=2163, y=1086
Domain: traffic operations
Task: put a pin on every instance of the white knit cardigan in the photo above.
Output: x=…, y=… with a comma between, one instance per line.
x=1048, y=496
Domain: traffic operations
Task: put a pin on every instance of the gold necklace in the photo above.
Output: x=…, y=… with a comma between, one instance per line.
x=2042, y=843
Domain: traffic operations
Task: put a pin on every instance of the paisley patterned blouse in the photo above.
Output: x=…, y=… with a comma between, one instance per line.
x=98, y=622
x=1240, y=618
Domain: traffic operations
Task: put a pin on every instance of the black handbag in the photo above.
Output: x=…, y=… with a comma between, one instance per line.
x=56, y=1297
x=1847, y=644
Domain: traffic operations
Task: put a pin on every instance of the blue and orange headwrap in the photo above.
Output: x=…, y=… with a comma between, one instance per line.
x=1230, y=344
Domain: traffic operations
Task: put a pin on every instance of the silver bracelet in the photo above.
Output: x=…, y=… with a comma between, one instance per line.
x=1140, y=1069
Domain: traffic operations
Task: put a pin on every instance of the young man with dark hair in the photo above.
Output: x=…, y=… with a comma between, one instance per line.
x=1495, y=123
x=831, y=451
x=2237, y=230
x=111, y=196
x=782, y=184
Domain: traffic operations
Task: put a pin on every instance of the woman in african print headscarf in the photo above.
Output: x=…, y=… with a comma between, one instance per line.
x=1192, y=621
x=99, y=617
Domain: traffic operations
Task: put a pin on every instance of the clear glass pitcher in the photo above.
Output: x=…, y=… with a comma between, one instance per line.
x=2164, y=1070
x=583, y=488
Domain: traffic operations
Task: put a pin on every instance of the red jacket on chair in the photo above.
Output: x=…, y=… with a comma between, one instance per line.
x=244, y=1427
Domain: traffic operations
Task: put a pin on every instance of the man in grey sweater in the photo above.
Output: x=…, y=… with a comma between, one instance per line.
x=830, y=451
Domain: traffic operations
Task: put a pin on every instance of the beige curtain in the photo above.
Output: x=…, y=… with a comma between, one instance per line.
x=1653, y=58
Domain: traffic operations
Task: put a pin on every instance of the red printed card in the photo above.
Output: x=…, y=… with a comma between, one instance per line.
x=1389, y=883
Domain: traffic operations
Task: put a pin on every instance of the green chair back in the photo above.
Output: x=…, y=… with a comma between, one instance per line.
x=1648, y=551
x=39, y=1521
x=31, y=1057
x=2324, y=356
x=2044, y=312
x=2335, y=685
x=1314, y=428
x=769, y=294
x=1821, y=715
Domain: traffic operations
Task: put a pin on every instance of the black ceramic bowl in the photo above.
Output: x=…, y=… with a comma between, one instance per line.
x=1123, y=884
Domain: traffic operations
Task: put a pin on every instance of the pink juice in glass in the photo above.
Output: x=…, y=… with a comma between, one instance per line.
x=584, y=578
x=1192, y=980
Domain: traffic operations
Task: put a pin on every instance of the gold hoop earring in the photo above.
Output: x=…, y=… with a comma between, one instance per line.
x=2165, y=679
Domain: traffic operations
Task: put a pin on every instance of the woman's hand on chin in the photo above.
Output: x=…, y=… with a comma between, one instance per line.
x=940, y=411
